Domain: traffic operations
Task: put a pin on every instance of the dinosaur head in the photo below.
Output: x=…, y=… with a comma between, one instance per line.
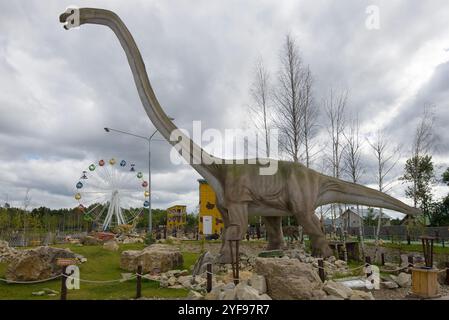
x=70, y=18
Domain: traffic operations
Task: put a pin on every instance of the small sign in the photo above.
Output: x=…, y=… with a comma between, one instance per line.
x=65, y=262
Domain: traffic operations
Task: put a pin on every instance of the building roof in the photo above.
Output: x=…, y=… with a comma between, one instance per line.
x=364, y=212
x=177, y=205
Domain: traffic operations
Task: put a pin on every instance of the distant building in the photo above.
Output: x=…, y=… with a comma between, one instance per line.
x=210, y=220
x=176, y=218
x=353, y=219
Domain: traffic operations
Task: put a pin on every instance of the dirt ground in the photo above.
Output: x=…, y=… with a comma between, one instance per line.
x=404, y=294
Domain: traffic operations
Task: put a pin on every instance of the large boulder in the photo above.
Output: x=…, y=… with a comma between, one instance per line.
x=90, y=241
x=337, y=289
x=37, y=264
x=404, y=280
x=289, y=279
x=258, y=282
x=158, y=257
x=111, y=245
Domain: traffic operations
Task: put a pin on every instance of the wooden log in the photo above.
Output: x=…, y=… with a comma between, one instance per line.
x=321, y=270
x=64, y=283
x=209, y=277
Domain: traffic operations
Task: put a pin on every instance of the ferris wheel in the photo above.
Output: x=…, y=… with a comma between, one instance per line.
x=111, y=193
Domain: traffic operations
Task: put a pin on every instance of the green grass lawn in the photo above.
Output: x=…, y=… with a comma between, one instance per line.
x=413, y=247
x=101, y=265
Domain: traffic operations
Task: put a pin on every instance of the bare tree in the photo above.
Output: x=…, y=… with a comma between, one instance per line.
x=387, y=158
x=334, y=106
x=353, y=166
x=260, y=110
x=422, y=144
x=310, y=113
x=287, y=97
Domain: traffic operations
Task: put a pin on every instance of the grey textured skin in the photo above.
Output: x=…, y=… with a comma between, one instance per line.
x=293, y=190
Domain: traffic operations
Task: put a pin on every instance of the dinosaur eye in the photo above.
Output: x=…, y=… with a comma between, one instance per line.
x=72, y=12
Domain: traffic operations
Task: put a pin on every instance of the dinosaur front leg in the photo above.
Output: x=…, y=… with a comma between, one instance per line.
x=236, y=215
x=273, y=227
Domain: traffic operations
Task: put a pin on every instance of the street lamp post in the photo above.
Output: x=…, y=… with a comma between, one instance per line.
x=148, y=139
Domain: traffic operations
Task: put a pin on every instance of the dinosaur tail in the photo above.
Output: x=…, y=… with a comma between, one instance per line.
x=339, y=191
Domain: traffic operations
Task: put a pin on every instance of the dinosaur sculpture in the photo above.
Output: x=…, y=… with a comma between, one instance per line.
x=293, y=190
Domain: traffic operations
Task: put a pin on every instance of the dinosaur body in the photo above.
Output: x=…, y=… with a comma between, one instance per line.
x=240, y=188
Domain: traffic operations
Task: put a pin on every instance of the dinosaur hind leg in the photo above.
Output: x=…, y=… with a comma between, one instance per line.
x=312, y=227
x=273, y=227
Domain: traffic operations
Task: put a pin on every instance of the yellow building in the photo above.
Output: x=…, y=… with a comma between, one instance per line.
x=176, y=217
x=210, y=218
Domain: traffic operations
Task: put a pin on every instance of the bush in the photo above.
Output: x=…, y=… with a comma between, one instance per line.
x=149, y=239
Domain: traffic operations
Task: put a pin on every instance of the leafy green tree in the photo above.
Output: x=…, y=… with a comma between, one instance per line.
x=419, y=172
x=446, y=176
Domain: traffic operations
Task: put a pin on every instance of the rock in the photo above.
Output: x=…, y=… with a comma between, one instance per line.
x=265, y=297
x=184, y=272
x=404, y=280
x=214, y=294
x=50, y=291
x=258, y=282
x=185, y=281
x=194, y=295
x=361, y=295
x=340, y=263
x=90, y=241
x=337, y=289
x=288, y=279
x=155, y=257
x=318, y=294
x=230, y=294
x=173, y=273
x=128, y=240
x=111, y=245
x=229, y=286
x=245, y=292
x=6, y=252
x=271, y=254
x=171, y=281
x=201, y=263
x=404, y=260
x=390, y=266
x=177, y=286
x=331, y=297
x=389, y=284
x=37, y=264
x=163, y=283
x=331, y=259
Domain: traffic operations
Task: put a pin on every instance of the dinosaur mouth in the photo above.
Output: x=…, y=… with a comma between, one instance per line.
x=63, y=16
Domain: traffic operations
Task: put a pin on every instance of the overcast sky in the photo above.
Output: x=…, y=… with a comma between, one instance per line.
x=60, y=88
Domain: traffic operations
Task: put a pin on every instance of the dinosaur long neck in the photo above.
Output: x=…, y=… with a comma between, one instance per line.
x=186, y=147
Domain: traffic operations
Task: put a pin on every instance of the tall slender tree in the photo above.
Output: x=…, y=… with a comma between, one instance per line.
x=334, y=106
x=387, y=158
x=260, y=110
x=287, y=97
x=353, y=166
